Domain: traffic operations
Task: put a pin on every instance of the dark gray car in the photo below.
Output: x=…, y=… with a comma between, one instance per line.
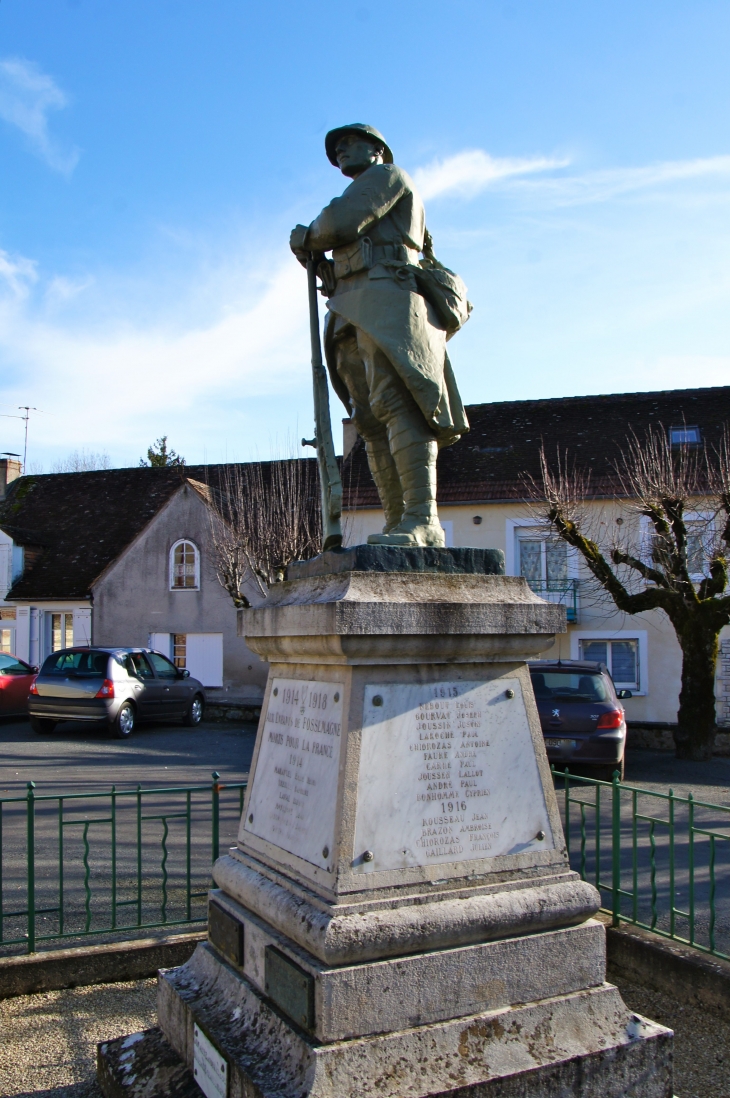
x=582, y=718
x=118, y=686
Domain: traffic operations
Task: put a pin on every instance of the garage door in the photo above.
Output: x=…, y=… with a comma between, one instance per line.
x=204, y=657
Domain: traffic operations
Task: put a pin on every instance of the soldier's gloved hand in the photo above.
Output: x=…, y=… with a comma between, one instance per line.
x=296, y=243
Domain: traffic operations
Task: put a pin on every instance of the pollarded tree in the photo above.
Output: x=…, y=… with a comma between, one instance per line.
x=263, y=516
x=669, y=554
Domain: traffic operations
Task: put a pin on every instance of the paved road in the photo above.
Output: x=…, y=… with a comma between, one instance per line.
x=155, y=854
x=657, y=772
x=78, y=757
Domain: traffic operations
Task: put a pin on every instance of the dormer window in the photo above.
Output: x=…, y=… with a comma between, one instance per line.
x=184, y=566
x=684, y=436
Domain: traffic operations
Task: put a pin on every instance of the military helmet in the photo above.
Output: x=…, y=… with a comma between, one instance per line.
x=330, y=141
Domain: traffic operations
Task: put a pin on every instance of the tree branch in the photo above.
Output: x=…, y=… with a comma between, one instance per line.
x=620, y=556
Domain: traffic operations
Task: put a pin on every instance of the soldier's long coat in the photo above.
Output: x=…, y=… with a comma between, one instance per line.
x=383, y=205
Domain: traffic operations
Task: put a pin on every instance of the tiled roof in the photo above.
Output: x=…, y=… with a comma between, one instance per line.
x=79, y=523
x=490, y=462
x=76, y=524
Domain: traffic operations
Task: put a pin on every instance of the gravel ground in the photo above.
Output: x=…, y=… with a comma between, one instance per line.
x=701, y=1042
x=48, y=1046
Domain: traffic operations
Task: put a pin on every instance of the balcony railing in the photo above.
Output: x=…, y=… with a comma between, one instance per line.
x=564, y=592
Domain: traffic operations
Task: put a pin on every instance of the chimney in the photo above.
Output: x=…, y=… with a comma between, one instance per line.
x=9, y=471
x=349, y=436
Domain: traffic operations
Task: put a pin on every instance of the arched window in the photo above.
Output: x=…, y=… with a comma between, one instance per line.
x=184, y=566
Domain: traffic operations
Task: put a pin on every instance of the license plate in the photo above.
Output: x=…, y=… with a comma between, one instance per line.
x=568, y=745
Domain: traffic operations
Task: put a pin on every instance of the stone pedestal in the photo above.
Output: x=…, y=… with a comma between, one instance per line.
x=398, y=917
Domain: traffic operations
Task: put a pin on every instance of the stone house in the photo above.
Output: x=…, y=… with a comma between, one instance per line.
x=119, y=557
x=482, y=502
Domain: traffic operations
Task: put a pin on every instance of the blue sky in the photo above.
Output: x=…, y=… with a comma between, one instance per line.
x=574, y=159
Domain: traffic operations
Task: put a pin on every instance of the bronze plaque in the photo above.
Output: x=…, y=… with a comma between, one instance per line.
x=290, y=987
x=225, y=932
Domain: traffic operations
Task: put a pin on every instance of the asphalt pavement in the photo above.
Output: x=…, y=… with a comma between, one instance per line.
x=79, y=757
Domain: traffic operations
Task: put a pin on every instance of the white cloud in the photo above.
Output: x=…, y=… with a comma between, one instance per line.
x=602, y=186
x=119, y=385
x=27, y=95
x=471, y=171
x=17, y=273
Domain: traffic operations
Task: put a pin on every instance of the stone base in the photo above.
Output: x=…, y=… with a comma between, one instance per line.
x=628, y=1073
x=586, y=1043
x=143, y=1065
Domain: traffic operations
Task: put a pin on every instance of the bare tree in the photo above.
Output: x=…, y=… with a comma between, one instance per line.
x=83, y=461
x=263, y=515
x=669, y=553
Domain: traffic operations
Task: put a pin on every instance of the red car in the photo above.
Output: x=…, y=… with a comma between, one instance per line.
x=16, y=677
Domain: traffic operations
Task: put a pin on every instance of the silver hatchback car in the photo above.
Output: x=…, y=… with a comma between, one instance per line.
x=118, y=686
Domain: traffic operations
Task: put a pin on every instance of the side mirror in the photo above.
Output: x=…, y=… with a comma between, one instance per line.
x=623, y=694
x=35, y=670
x=183, y=673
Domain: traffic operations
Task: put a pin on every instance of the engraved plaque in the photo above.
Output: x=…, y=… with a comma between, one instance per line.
x=294, y=793
x=447, y=774
x=290, y=987
x=210, y=1068
x=225, y=932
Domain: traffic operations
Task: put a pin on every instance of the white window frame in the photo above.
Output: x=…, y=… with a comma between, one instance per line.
x=171, y=565
x=511, y=560
x=647, y=533
x=639, y=635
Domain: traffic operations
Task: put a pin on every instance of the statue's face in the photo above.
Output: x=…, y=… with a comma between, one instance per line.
x=355, y=154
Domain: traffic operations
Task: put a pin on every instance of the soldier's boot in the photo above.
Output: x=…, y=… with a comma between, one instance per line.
x=419, y=525
x=386, y=480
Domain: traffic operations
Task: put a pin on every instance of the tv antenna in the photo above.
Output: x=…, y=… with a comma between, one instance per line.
x=27, y=408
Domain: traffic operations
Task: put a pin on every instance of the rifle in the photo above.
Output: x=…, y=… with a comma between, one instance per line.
x=329, y=473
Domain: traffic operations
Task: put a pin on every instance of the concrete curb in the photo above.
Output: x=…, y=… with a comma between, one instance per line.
x=641, y=957
x=97, y=964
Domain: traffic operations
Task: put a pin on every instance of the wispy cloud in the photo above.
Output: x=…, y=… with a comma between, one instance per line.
x=27, y=96
x=17, y=273
x=602, y=186
x=469, y=172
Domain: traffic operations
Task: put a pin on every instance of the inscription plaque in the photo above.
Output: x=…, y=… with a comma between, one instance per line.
x=290, y=987
x=294, y=792
x=210, y=1068
x=226, y=933
x=447, y=774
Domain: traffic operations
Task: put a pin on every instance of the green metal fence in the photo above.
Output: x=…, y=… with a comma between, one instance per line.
x=126, y=860
x=110, y=862
x=660, y=861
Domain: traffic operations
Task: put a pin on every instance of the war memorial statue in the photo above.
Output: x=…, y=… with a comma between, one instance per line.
x=398, y=917
x=390, y=314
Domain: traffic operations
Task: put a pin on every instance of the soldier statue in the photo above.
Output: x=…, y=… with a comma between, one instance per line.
x=389, y=316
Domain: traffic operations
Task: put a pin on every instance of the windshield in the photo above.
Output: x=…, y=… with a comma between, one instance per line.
x=580, y=685
x=9, y=665
x=86, y=663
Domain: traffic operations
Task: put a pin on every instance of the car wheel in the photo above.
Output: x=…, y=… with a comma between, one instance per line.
x=42, y=725
x=194, y=714
x=124, y=722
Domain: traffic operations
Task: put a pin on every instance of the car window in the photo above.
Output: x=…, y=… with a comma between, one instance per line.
x=86, y=663
x=580, y=685
x=10, y=665
x=137, y=664
x=163, y=668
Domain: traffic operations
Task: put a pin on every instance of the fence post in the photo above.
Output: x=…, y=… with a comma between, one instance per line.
x=215, y=810
x=30, y=820
x=616, y=850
